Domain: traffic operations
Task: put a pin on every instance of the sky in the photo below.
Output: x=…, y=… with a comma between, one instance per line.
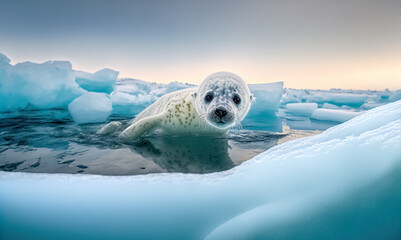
x=318, y=44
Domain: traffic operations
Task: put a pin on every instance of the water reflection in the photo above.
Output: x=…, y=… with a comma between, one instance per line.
x=186, y=154
x=50, y=142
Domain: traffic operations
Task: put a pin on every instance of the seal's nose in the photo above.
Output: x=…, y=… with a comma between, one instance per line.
x=220, y=112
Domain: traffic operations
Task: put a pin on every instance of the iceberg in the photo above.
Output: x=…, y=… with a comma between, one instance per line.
x=91, y=108
x=334, y=115
x=100, y=81
x=341, y=184
x=267, y=97
x=304, y=109
x=34, y=86
x=262, y=114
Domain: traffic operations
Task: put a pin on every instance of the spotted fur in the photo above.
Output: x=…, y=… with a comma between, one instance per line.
x=183, y=113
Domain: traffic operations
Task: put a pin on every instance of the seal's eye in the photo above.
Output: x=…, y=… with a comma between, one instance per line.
x=236, y=99
x=208, y=97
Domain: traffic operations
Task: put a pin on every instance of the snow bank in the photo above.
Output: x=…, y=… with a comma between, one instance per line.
x=91, y=108
x=36, y=86
x=100, y=81
x=304, y=109
x=334, y=115
x=341, y=184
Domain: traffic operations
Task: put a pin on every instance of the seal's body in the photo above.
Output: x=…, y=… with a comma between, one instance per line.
x=174, y=113
x=221, y=101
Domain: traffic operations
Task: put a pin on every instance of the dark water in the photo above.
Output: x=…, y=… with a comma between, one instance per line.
x=50, y=142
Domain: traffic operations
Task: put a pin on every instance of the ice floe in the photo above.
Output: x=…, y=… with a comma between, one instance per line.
x=91, y=108
x=100, y=81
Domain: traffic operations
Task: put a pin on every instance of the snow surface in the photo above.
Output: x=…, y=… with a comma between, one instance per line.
x=341, y=184
x=100, y=81
x=91, y=108
x=334, y=115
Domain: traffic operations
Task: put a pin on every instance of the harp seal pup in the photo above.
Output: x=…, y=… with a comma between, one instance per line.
x=222, y=100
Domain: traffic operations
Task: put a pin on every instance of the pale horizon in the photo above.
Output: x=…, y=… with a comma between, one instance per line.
x=306, y=44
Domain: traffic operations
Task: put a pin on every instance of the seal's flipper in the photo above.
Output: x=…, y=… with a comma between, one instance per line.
x=110, y=128
x=141, y=127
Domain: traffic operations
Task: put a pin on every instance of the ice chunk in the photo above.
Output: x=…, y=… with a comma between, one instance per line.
x=261, y=115
x=349, y=99
x=293, y=96
x=91, y=108
x=334, y=115
x=175, y=86
x=384, y=95
x=127, y=104
x=267, y=97
x=37, y=86
x=145, y=93
x=370, y=105
x=4, y=65
x=395, y=96
x=330, y=106
x=100, y=81
x=4, y=60
x=348, y=174
x=305, y=109
x=156, y=90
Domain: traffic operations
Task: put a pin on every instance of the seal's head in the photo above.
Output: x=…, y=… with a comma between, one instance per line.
x=223, y=99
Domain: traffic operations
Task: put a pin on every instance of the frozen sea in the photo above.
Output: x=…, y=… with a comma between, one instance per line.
x=305, y=164
x=48, y=141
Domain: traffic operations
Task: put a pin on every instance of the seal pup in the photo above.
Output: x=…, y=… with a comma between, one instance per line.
x=222, y=100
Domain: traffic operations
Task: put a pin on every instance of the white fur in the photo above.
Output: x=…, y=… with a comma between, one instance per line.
x=184, y=112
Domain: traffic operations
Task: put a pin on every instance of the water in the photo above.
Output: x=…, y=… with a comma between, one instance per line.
x=50, y=142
